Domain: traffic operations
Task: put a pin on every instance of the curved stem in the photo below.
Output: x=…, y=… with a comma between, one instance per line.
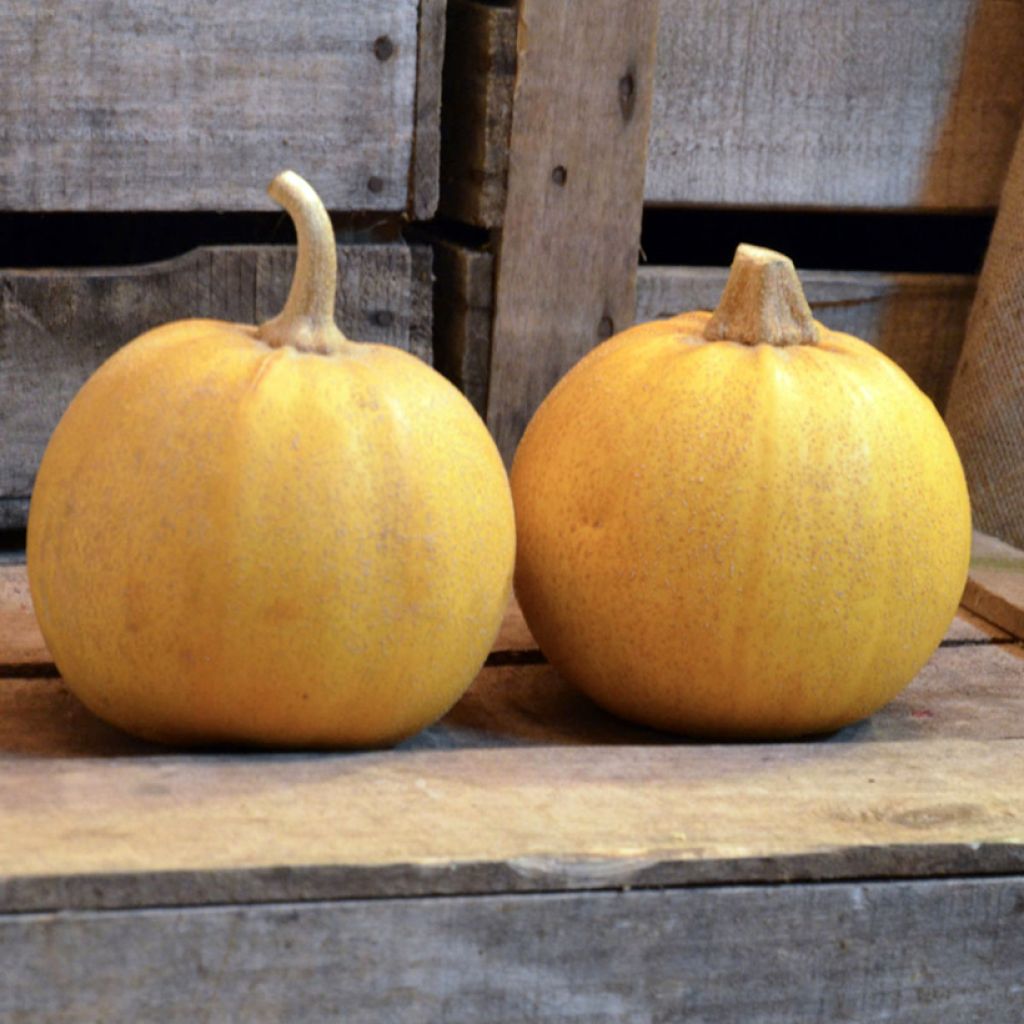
x=307, y=320
x=763, y=302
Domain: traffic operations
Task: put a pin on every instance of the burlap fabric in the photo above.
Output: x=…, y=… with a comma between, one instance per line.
x=985, y=412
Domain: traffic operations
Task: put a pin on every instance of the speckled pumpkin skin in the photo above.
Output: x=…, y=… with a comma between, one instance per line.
x=738, y=541
x=235, y=543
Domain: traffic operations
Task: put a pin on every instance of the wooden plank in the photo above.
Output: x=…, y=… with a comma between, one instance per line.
x=57, y=326
x=986, y=406
x=479, y=81
x=749, y=109
x=995, y=584
x=893, y=104
x=915, y=952
x=139, y=827
x=426, y=154
x=568, y=248
x=918, y=320
x=129, y=105
x=462, y=335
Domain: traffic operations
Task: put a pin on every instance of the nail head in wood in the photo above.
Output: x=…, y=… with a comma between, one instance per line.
x=559, y=175
x=383, y=48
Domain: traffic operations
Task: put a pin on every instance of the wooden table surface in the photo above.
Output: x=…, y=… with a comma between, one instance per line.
x=521, y=813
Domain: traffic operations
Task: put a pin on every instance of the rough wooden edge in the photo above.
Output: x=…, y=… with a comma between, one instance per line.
x=581, y=112
x=426, y=147
x=462, y=318
x=476, y=115
x=995, y=583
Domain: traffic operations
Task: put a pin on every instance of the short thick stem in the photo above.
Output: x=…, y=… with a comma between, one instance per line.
x=307, y=320
x=763, y=303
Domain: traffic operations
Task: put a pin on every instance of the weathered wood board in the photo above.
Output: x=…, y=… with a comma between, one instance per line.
x=995, y=587
x=892, y=105
x=57, y=326
x=128, y=105
x=912, y=952
x=916, y=319
x=571, y=229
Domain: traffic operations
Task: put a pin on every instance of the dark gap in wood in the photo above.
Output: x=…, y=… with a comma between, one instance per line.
x=445, y=229
x=980, y=642
x=501, y=659
x=12, y=542
x=33, y=240
x=931, y=243
x=29, y=670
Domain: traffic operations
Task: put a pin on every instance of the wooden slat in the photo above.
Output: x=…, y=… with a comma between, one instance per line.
x=479, y=80
x=893, y=105
x=995, y=585
x=917, y=952
x=567, y=255
x=129, y=105
x=462, y=335
x=426, y=154
x=918, y=320
x=57, y=326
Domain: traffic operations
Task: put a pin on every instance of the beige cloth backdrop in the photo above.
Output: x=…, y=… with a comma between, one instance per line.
x=985, y=412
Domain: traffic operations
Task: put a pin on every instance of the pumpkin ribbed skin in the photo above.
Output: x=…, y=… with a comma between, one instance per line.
x=738, y=540
x=230, y=542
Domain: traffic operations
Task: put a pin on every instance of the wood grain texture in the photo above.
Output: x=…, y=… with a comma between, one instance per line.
x=463, y=321
x=995, y=584
x=893, y=104
x=810, y=104
x=986, y=406
x=918, y=320
x=914, y=952
x=129, y=105
x=479, y=81
x=57, y=326
x=426, y=153
x=568, y=249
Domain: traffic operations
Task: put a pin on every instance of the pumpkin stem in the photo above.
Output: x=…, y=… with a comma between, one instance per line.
x=307, y=320
x=763, y=303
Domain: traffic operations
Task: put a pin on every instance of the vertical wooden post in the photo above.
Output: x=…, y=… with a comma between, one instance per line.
x=569, y=245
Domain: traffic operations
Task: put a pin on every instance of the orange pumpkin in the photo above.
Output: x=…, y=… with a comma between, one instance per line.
x=270, y=535
x=739, y=524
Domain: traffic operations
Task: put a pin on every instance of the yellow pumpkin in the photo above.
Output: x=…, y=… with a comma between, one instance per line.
x=270, y=535
x=739, y=524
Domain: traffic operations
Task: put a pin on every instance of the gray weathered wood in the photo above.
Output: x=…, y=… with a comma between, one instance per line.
x=917, y=319
x=912, y=952
x=995, y=584
x=128, y=105
x=568, y=249
x=426, y=155
x=890, y=105
x=806, y=102
x=57, y=326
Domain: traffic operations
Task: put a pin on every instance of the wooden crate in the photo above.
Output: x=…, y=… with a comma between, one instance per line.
x=893, y=106
x=527, y=858
x=133, y=107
